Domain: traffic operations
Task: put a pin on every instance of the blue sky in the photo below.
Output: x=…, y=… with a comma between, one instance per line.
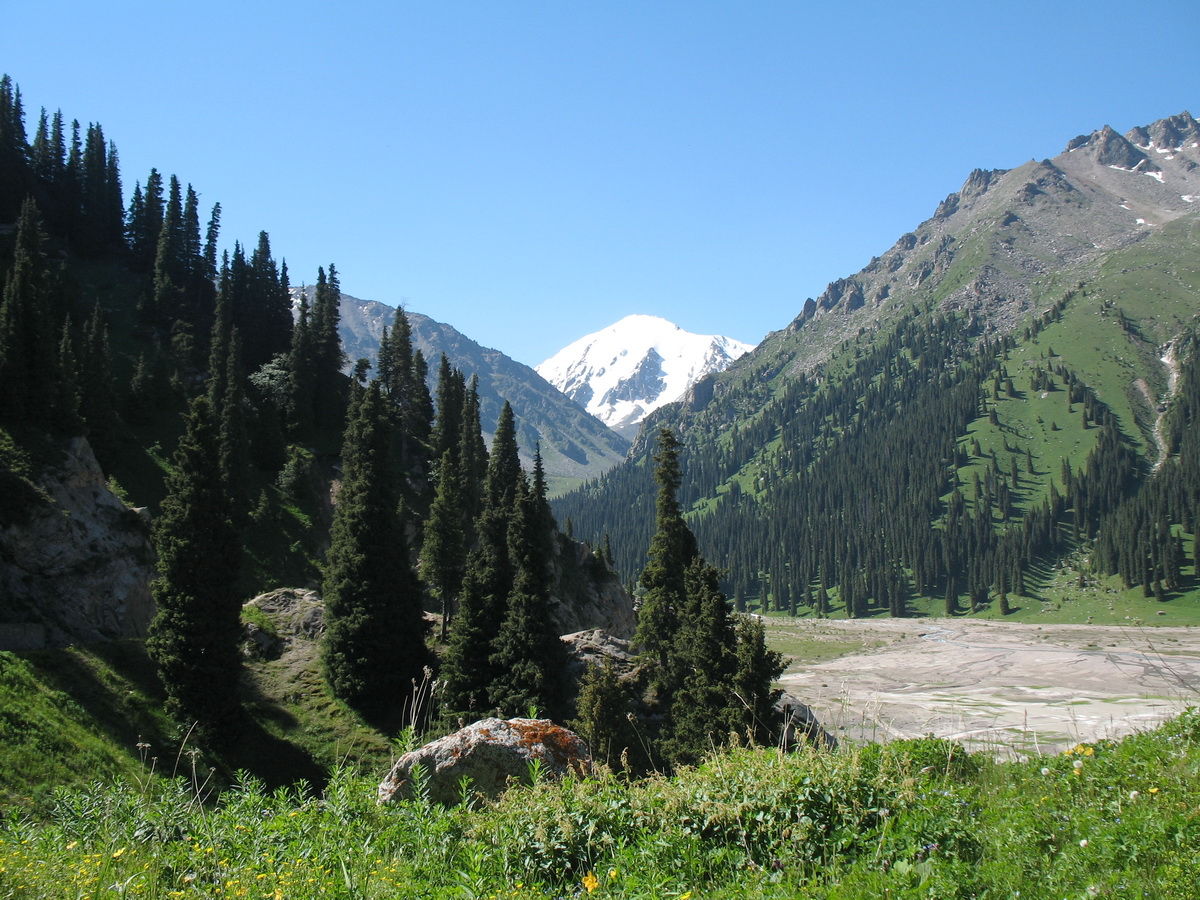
x=532, y=171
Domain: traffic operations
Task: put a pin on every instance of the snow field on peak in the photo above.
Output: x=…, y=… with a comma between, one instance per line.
x=624, y=371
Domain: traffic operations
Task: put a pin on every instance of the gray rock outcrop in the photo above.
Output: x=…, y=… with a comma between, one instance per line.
x=586, y=593
x=75, y=562
x=800, y=724
x=490, y=753
x=292, y=613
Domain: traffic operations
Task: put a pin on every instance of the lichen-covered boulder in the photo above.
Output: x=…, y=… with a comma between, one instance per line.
x=489, y=752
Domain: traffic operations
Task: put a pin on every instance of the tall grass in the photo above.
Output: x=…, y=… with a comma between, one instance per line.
x=918, y=818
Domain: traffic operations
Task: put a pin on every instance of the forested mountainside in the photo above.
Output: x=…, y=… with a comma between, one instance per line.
x=266, y=468
x=1012, y=382
x=207, y=403
x=574, y=445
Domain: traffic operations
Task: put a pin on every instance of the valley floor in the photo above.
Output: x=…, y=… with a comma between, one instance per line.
x=1008, y=686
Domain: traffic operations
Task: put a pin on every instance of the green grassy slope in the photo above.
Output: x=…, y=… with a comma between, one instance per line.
x=911, y=819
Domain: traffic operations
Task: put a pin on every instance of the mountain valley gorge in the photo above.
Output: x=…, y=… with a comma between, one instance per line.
x=867, y=610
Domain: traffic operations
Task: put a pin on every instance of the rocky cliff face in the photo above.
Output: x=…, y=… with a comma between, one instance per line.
x=587, y=594
x=75, y=562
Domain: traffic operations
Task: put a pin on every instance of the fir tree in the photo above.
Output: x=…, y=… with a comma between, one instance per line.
x=754, y=694
x=701, y=667
x=443, y=554
x=98, y=401
x=602, y=714
x=527, y=655
x=375, y=633
x=447, y=429
x=301, y=374
x=467, y=668
x=29, y=329
x=672, y=550
x=193, y=639
x=328, y=384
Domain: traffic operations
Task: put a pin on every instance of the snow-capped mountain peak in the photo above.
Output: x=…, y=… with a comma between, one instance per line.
x=625, y=371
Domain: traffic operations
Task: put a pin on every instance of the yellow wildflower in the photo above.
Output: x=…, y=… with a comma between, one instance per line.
x=591, y=882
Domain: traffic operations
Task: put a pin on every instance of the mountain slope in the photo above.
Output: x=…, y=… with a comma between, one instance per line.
x=622, y=373
x=574, y=445
x=1010, y=364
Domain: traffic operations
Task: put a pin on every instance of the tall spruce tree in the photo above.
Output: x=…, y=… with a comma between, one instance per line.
x=329, y=396
x=468, y=671
x=527, y=655
x=707, y=683
x=701, y=668
x=97, y=395
x=672, y=550
x=444, y=553
x=375, y=632
x=754, y=695
x=15, y=176
x=193, y=638
x=30, y=328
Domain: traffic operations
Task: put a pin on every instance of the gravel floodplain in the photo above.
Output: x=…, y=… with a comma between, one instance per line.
x=1014, y=688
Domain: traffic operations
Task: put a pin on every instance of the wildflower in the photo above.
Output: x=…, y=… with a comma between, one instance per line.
x=1083, y=843
x=1045, y=770
x=591, y=882
x=1078, y=764
x=1133, y=795
x=612, y=874
x=1154, y=790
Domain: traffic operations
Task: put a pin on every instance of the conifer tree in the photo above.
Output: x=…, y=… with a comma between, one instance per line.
x=754, y=694
x=701, y=668
x=672, y=550
x=375, y=633
x=602, y=714
x=447, y=429
x=15, y=177
x=66, y=397
x=467, y=668
x=29, y=329
x=527, y=655
x=170, y=268
x=144, y=222
x=301, y=374
x=227, y=396
x=193, y=639
x=444, y=553
x=472, y=454
x=328, y=388
x=98, y=401
x=504, y=463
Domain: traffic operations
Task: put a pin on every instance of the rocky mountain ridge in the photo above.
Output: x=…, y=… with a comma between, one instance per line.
x=574, y=444
x=994, y=246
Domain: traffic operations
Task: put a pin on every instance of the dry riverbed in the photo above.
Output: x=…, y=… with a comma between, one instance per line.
x=992, y=685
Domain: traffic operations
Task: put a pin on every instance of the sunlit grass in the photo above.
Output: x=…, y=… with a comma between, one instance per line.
x=918, y=818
